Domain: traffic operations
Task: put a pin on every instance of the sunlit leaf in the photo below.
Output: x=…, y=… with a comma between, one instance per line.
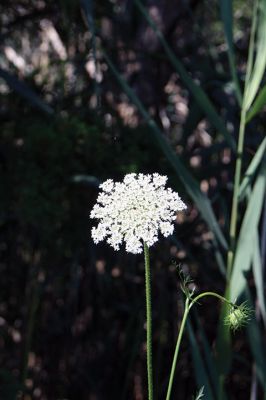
x=258, y=105
x=258, y=69
x=252, y=169
x=247, y=235
x=258, y=277
x=256, y=345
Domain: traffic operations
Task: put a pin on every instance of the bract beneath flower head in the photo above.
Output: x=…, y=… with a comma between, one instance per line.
x=135, y=211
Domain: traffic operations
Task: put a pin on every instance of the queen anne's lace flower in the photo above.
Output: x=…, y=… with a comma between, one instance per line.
x=135, y=211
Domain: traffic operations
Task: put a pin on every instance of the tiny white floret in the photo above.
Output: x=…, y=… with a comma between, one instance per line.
x=135, y=211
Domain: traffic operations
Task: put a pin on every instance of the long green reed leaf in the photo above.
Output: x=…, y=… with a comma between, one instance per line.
x=199, y=95
x=251, y=47
x=258, y=69
x=256, y=345
x=224, y=348
x=201, y=374
x=187, y=179
x=252, y=169
x=248, y=231
x=226, y=10
x=258, y=277
x=210, y=364
x=258, y=105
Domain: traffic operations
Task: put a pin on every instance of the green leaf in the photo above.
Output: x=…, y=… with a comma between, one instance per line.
x=226, y=10
x=191, y=185
x=199, y=95
x=258, y=276
x=259, y=103
x=256, y=345
x=210, y=364
x=199, y=367
x=258, y=69
x=248, y=232
x=252, y=169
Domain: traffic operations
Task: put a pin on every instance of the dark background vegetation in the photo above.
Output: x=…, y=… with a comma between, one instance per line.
x=72, y=313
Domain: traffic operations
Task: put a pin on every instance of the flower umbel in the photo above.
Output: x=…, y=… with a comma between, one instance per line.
x=134, y=211
x=238, y=316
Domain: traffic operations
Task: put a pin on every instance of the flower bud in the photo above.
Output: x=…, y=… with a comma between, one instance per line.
x=238, y=316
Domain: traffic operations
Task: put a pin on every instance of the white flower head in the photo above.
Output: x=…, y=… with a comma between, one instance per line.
x=135, y=211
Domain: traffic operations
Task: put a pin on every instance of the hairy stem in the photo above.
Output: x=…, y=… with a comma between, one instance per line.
x=148, y=320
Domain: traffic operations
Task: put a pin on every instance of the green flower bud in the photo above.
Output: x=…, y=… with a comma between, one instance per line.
x=238, y=316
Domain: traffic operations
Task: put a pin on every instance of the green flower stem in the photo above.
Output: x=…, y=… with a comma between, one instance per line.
x=188, y=305
x=171, y=379
x=213, y=294
x=148, y=320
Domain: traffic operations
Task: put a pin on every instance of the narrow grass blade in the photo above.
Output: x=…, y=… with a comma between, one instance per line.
x=191, y=185
x=260, y=61
x=251, y=47
x=251, y=170
x=226, y=9
x=218, y=257
x=199, y=95
x=210, y=364
x=24, y=91
x=258, y=276
x=258, y=105
x=248, y=232
x=256, y=345
x=199, y=367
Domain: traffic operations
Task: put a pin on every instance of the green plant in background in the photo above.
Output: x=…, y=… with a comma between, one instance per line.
x=243, y=253
x=135, y=211
x=242, y=247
